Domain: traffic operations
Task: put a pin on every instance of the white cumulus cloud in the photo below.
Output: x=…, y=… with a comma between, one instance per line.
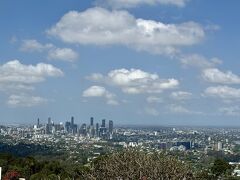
x=31, y=45
x=55, y=53
x=64, y=54
x=223, y=92
x=181, y=95
x=134, y=3
x=25, y=100
x=17, y=76
x=135, y=81
x=179, y=109
x=214, y=75
x=99, y=91
x=122, y=28
x=198, y=61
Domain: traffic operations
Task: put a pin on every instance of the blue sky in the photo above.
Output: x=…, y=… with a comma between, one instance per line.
x=161, y=62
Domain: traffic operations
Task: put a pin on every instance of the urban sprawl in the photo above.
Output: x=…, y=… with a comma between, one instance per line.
x=82, y=143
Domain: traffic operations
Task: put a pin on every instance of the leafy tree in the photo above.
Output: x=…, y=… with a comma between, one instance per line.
x=53, y=177
x=134, y=164
x=221, y=168
x=205, y=174
x=65, y=176
x=12, y=175
x=39, y=176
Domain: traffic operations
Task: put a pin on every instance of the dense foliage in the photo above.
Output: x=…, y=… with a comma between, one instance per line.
x=122, y=165
x=23, y=150
x=30, y=168
x=131, y=164
x=134, y=164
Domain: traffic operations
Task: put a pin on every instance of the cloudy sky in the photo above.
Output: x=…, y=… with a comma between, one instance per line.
x=156, y=62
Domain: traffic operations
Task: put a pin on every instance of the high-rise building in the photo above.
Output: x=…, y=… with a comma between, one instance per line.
x=91, y=128
x=219, y=146
x=110, y=128
x=48, y=129
x=58, y=127
x=49, y=120
x=68, y=127
x=97, y=130
x=49, y=126
x=91, y=121
x=72, y=122
x=83, y=130
x=103, y=130
x=103, y=123
x=38, y=123
x=92, y=131
x=74, y=129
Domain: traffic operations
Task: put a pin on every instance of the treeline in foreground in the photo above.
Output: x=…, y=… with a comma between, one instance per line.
x=124, y=165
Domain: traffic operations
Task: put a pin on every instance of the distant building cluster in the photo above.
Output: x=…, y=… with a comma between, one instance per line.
x=96, y=138
x=178, y=145
x=103, y=130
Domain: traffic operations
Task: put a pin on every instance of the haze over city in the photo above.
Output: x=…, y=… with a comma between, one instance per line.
x=159, y=62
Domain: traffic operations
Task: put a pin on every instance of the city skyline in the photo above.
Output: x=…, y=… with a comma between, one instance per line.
x=160, y=63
